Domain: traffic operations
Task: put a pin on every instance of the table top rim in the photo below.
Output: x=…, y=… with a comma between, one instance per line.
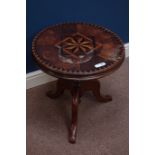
x=75, y=74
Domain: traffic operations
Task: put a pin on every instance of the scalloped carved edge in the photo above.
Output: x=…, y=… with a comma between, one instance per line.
x=69, y=72
x=38, y=77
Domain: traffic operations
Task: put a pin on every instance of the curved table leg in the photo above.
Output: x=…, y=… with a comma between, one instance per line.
x=59, y=90
x=97, y=94
x=73, y=127
x=77, y=89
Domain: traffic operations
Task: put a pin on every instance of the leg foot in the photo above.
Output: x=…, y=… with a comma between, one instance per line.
x=72, y=134
x=97, y=94
x=59, y=90
x=73, y=127
x=103, y=98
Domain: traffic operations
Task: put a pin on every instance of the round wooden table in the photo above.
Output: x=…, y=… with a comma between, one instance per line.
x=78, y=54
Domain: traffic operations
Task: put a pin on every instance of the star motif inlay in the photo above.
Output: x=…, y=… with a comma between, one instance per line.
x=76, y=45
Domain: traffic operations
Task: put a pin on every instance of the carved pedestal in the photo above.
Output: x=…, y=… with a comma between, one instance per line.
x=77, y=89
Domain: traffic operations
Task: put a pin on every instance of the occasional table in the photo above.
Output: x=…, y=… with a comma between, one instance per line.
x=78, y=54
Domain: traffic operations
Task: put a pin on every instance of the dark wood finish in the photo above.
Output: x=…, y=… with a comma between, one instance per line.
x=59, y=90
x=75, y=101
x=77, y=89
x=78, y=54
x=93, y=86
x=71, y=50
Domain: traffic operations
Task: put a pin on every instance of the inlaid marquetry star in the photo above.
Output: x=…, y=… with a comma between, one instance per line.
x=76, y=45
x=80, y=44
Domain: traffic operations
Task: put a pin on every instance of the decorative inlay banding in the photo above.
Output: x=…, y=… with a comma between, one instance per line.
x=76, y=53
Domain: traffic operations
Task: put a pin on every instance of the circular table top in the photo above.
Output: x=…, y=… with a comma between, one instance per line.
x=78, y=51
